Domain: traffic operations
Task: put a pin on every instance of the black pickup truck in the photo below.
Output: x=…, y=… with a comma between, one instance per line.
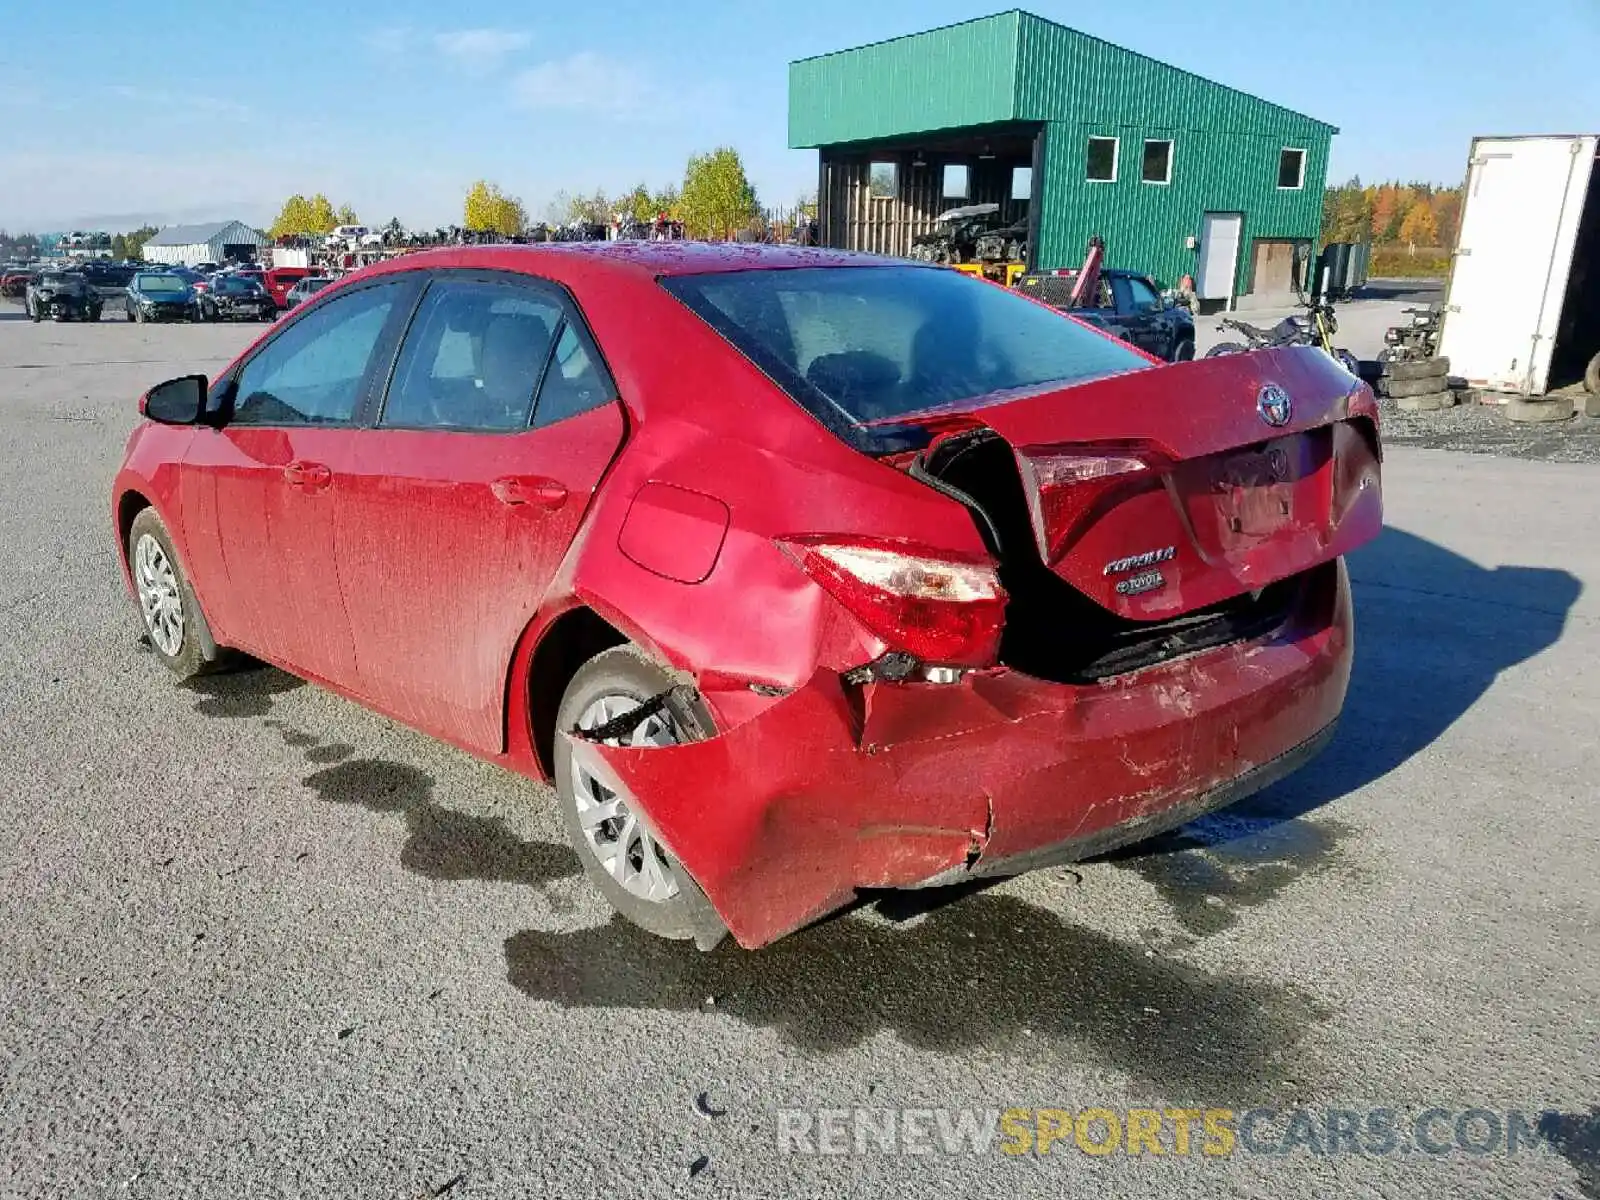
x=1126, y=304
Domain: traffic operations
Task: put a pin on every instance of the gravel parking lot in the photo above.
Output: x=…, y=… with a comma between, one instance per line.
x=258, y=941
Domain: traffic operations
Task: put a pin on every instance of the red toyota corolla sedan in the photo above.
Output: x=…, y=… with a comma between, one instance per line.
x=796, y=572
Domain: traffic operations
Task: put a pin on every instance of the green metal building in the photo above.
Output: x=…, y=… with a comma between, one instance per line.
x=1074, y=136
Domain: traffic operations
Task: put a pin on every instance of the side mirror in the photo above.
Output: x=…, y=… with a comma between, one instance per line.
x=180, y=401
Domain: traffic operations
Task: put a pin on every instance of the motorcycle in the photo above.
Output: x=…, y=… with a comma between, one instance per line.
x=1315, y=327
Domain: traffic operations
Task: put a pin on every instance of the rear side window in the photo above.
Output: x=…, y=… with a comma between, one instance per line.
x=859, y=347
x=312, y=373
x=473, y=358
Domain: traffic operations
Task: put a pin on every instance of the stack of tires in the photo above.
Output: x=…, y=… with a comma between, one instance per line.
x=1417, y=385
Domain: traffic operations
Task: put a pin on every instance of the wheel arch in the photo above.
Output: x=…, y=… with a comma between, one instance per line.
x=555, y=648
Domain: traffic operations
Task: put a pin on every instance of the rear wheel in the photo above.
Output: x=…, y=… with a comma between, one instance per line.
x=1222, y=348
x=620, y=851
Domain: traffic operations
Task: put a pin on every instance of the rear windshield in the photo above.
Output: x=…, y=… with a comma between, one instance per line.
x=861, y=346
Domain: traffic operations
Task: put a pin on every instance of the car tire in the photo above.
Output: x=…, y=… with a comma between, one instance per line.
x=1413, y=387
x=1222, y=348
x=624, y=674
x=174, y=626
x=1426, y=402
x=1425, y=369
x=1183, y=351
x=1591, y=375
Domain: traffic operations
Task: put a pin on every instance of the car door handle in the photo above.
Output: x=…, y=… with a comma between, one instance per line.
x=530, y=489
x=312, y=476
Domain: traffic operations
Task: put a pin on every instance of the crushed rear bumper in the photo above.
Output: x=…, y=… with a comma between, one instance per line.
x=781, y=818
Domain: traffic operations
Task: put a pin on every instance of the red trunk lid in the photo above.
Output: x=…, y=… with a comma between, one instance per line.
x=1162, y=491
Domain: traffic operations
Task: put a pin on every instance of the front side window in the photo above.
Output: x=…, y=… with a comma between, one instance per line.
x=312, y=373
x=1102, y=160
x=473, y=358
x=859, y=347
x=1291, y=169
x=1141, y=297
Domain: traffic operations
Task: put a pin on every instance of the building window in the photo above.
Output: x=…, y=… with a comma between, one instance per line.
x=1102, y=160
x=1022, y=183
x=883, y=180
x=1291, y=169
x=1157, y=166
x=956, y=181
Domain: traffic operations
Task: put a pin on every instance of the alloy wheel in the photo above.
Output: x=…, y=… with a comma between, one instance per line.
x=159, y=596
x=612, y=832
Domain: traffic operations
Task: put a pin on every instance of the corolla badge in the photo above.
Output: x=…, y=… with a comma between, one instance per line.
x=1272, y=402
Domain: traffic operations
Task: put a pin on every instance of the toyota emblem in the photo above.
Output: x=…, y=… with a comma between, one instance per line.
x=1272, y=402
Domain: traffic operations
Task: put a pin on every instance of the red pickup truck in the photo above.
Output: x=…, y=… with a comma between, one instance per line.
x=279, y=280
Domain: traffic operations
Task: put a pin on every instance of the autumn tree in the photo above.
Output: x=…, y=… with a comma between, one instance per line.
x=718, y=198
x=668, y=200
x=637, y=203
x=1419, y=227
x=316, y=215
x=488, y=209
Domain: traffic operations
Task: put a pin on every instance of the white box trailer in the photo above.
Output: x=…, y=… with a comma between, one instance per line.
x=1522, y=311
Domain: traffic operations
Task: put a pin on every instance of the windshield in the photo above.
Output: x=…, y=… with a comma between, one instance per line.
x=858, y=346
x=159, y=283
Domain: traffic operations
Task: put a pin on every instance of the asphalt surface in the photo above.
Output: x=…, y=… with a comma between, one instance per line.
x=257, y=941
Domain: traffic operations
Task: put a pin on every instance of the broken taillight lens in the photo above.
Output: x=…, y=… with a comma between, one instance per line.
x=1064, y=485
x=936, y=609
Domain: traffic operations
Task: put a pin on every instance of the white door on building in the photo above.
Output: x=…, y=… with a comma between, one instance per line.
x=1219, y=255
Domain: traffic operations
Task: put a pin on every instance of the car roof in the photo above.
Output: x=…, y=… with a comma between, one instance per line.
x=641, y=258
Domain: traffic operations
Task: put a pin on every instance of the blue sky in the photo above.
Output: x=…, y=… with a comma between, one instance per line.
x=178, y=110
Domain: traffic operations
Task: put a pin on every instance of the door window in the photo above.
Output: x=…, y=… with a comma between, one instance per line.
x=473, y=358
x=573, y=383
x=312, y=373
x=1142, y=297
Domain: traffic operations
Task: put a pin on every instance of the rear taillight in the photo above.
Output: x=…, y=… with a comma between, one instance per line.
x=1066, y=484
x=935, y=609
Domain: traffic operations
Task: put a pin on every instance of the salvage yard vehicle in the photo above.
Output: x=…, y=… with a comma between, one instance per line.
x=236, y=297
x=161, y=296
x=955, y=239
x=304, y=289
x=796, y=571
x=1125, y=304
x=279, y=281
x=61, y=296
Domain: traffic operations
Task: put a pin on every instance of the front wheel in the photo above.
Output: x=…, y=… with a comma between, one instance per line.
x=172, y=619
x=620, y=852
x=1222, y=348
x=1183, y=351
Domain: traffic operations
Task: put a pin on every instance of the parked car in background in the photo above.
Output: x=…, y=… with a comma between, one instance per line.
x=61, y=296
x=1126, y=304
x=279, y=280
x=14, y=283
x=305, y=289
x=870, y=575
x=236, y=297
x=161, y=296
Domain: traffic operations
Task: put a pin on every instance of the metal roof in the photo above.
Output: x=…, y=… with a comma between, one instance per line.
x=196, y=235
x=1011, y=67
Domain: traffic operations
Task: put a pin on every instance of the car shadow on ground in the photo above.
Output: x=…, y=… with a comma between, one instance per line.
x=1433, y=632
x=969, y=966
